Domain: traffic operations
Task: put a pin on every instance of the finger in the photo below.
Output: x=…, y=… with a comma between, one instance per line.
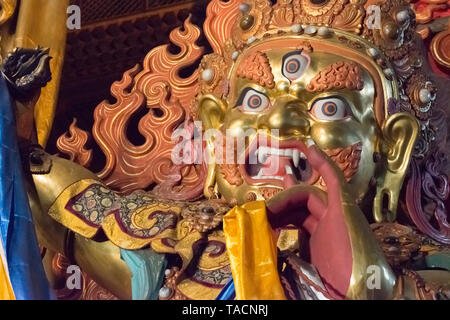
x=290, y=205
x=330, y=173
x=298, y=196
x=317, y=206
x=310, y=224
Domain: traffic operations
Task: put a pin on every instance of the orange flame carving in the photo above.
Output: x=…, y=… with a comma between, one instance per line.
x=220, y=18
x=161, y=69
x=74, y=144
x=157, y=86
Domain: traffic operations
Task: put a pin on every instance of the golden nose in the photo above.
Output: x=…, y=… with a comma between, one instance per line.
x=290, y=118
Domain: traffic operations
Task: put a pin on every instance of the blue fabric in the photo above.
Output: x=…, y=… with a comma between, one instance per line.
x=16, y=225
x=228, y=292
x=147, y=267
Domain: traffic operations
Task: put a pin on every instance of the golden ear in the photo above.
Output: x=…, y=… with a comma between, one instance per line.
x=400, y=132
x=211, y=112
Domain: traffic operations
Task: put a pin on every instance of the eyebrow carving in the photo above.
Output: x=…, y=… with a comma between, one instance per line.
x=339, y=75
x=256, y=67
x=292, y=53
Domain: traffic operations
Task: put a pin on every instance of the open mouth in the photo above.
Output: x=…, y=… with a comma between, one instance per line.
x=278, y=163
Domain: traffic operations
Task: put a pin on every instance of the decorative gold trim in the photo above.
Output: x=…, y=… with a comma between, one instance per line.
x=58, y=212
x=440, y=47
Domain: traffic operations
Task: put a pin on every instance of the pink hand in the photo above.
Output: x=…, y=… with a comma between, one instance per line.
x=330, y=247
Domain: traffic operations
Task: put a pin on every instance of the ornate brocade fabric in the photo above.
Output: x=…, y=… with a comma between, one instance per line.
x=191, y=230
x=138, y=220
x=185, y=229
x=131, y=222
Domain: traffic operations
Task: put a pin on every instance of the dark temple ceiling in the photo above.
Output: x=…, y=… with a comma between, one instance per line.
x=101, y=10
x=115, y=36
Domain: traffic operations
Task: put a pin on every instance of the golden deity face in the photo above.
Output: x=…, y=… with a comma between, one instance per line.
x=286, y=94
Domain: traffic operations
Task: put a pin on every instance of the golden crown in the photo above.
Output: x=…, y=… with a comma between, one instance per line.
x=384, y=30
x=230, y=28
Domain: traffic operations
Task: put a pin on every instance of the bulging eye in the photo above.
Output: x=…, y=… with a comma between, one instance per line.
x=253, y=101
x=330, y=109
x=294, y=65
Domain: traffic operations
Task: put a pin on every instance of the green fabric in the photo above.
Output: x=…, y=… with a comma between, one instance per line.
x=438, y=260
x=147, y=268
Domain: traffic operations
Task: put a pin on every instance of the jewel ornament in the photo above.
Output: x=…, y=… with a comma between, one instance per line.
x=208, y=75
x=296, y=28
x=244, y=8
x=402, y=16
x=311, y=30
x=251, y=40
x=374, y=52
x=425, y=96
x=323, y=32
x=388, y=73
x=164, y=293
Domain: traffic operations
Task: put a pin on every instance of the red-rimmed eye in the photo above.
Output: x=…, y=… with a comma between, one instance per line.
x=330, y=109
x=253, y=101
x=292, y=66
x=295, y=65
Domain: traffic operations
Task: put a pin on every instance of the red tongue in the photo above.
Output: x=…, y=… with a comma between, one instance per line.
x=276, y=166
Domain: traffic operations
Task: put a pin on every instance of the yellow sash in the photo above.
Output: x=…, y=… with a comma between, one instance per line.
x=6, y=292
x=252, y=250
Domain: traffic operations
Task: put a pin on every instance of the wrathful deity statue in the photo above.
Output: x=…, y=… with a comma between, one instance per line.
x=320, y=171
